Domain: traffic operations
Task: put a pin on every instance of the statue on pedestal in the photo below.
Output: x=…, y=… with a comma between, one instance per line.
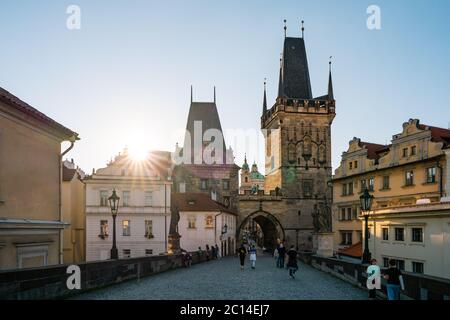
x=174, y=236
x=322, y=218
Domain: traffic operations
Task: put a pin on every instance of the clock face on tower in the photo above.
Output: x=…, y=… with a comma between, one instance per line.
x=226, y=201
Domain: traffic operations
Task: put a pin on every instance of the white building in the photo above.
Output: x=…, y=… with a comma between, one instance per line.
x=204, y=221
x=416, y=236
x=143, y=218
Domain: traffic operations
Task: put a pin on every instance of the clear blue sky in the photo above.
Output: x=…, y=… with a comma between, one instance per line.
x=126, y=74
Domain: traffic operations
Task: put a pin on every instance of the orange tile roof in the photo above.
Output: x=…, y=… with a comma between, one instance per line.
x=354, y=251
x=197, y=202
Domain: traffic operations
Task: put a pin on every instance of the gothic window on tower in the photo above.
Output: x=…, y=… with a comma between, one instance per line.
x=307, y=188
x=307, y=148
x=291, y=152
x=322, y=154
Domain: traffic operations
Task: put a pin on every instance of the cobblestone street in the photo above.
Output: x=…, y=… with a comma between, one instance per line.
x=223, y=279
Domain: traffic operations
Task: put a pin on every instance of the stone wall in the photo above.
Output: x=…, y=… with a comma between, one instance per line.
x=417, y=286
x=50, y=282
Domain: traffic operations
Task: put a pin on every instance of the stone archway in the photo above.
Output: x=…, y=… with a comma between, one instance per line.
x=267, y=224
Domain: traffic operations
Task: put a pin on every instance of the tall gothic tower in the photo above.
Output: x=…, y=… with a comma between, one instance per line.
x=298, y=130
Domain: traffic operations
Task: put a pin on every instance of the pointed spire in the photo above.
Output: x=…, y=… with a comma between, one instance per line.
x=285, y=28
x=303, y=29
x=264, y=98
x=191, y=94
x=245, y=158
x=214, y=94
x=280, y=81
x=330, y=82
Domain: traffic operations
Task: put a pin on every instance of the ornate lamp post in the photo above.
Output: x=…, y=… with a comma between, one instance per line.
x=114, y=204
x=366, y=203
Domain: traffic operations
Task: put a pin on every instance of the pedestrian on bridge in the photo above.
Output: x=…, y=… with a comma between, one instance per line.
x=281, y=253
x=217, y=252
x=253, y=256
x=292, y=262
x=242, y=252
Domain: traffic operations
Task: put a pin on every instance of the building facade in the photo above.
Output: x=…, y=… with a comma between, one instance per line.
x=252, y=181
x=416, y=236
x=143, y=219
x=31, y=222
x=297, y=130
x=412, y=169
x=73, y=205
x=204, y=221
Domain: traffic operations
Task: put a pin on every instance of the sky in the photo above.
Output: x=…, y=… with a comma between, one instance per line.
x=123, y=78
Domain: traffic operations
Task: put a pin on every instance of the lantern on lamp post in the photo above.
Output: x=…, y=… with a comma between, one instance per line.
x=114, y=204
x=366, y=200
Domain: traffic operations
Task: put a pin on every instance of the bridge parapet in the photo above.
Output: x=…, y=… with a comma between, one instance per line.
x=51, y=282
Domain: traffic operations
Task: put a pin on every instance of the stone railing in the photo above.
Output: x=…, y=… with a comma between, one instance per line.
x=417, y=286
x=51, y=282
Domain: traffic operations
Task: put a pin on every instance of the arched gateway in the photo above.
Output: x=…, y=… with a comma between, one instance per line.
x=261, y=227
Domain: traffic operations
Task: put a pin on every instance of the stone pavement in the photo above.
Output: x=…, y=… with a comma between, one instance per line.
x=223, y=279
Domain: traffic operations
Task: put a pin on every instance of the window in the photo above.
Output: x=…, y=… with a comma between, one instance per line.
x=149, y=229
x=400, y=264
x=385, y=232
x=417, y=235
x=126, y=198
x=350, y=188
x=191, y=222
x=148, y=198
x=246, y=179
x=385, y=182
x=385, y=262
x=342, y=216
x=148, y=252
x=226, y=184
x=431, y=175
x=126, y=253
x=307, y=188
x=363, y=185
x=349, y=214
x=344, y=189
x=371, y=184
x=346, y=238
x=409, y=178
x=104, y=230
x=104, y=198
x=350, y=165
x=203, y=184
x=354, y=213
x=399, y=234
x=413, y=150
x=417, y=267
x=126, y=228
x=209, y=221
x=405, y=152
x=356, y=164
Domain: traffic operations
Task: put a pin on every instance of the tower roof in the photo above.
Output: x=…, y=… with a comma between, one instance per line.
x=294, y=74
x=206, y=113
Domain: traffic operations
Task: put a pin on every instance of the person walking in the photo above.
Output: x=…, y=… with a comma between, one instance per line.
x=275, y=255
x=207, y=253
x=281, y=254
x=394, y=278
x=213, y=252
x=217, y=252
x=253, y=256
x=242, y=252
x=374, y=283
x=292, y=262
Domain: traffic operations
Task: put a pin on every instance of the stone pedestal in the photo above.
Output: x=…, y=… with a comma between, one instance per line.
x=323, y=244
x=174, y=243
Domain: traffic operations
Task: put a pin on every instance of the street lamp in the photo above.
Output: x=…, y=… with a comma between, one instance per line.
x=366, y=203
x=114, y=204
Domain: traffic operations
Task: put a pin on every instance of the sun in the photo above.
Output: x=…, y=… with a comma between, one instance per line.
x=137, y=152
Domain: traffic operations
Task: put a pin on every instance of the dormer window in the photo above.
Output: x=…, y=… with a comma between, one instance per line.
x=356, y=164
x=350, y=165
x=405, y=152
x=413, y=150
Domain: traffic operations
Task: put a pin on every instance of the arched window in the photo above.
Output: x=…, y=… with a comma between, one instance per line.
x=291, y=152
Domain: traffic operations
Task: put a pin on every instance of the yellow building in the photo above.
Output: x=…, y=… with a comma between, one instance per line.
x=73, y=203
x=412, y=169
x=31, y=225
